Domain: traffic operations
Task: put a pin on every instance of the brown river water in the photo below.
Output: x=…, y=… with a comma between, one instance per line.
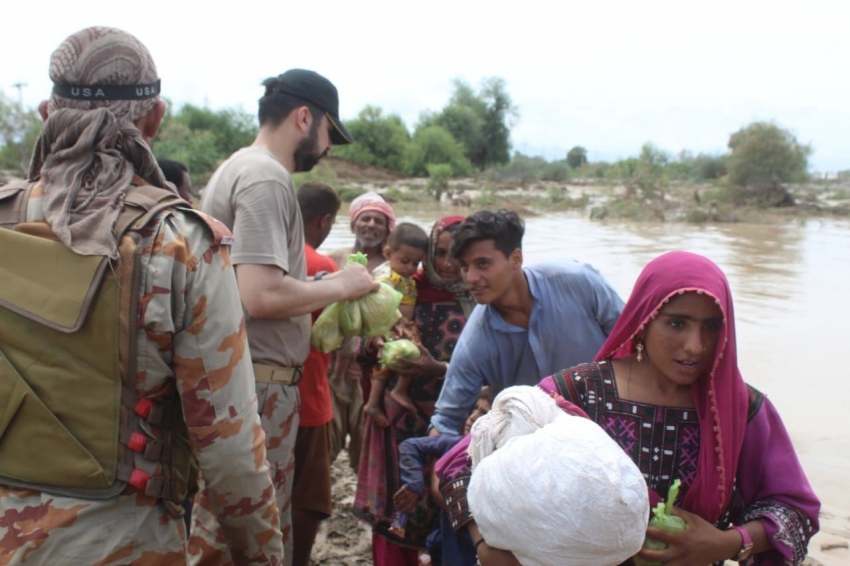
x=789, y=284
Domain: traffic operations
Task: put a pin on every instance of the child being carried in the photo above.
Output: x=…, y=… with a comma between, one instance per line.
x=406, y=247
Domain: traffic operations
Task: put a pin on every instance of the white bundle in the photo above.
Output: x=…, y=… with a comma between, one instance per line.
x=516, y=411
x=552, y=488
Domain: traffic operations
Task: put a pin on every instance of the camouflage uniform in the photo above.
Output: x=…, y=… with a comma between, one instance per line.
x=191, y=342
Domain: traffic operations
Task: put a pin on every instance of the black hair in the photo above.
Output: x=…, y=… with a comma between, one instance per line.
x=504, y=227
x=275, y=106
x=408, y=234
x=488, y=393
x=172, y=170
x=316, y=199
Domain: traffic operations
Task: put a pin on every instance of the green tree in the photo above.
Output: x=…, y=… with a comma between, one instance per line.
x=577, y=157
x=500, y=117
x=480, y=122
x=19, y=128
x=650, y=176
x=434, y=145
x=231, y=129
x=202, y=138
x=196, y=149
x=762, y=158
x=381, y=140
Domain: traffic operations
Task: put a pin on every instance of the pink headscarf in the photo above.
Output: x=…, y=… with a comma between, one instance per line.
x=721, y=397
x=373, y=202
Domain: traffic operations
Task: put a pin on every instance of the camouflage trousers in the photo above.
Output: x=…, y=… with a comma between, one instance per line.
x=39, y=528
x=279, y=415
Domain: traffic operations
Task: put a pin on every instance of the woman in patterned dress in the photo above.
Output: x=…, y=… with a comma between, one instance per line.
x=442, y=306
x=666, y=386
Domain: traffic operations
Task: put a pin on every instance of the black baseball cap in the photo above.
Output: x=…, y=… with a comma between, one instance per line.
x=312, y=87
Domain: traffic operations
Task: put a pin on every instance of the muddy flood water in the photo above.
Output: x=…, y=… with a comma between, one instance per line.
x=789, y=283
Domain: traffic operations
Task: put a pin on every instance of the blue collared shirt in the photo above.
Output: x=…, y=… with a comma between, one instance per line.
x=573, y=312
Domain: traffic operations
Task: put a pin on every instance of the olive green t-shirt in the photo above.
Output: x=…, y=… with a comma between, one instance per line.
x=253, y=195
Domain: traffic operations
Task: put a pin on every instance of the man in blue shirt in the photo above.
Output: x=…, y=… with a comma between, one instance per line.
x=529, y=322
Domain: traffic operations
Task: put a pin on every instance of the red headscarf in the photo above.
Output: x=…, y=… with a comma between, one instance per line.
x=720, y=397
x=430, y=287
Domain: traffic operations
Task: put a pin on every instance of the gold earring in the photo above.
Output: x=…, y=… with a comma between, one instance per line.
x=639, y=349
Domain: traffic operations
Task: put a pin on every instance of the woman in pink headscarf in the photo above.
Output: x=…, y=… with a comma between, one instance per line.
x=666, y=386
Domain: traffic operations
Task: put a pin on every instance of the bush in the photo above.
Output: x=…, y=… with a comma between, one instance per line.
x=321, y=172
x=558, y=171
x=522, y=169
x=763, y=157
x=434, y=145
x=486, y=198
x=559, y=199
x=381, y=140
x=348, y=194
x=438, y=179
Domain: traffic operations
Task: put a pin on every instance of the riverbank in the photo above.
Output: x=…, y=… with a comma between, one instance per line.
x=599, y=199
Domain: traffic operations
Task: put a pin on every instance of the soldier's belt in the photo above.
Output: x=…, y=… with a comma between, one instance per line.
x=277, y=374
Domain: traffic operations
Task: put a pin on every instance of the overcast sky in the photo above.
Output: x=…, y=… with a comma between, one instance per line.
x=605, y=74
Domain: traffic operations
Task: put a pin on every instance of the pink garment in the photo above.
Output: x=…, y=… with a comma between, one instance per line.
x=721, y=398
x=373, y=202
x=386, y=553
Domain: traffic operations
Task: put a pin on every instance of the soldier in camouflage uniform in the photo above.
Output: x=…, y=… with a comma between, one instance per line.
x=191, y=337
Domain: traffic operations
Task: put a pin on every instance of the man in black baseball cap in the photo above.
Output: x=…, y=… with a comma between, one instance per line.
x=252, y=194
x=313, y=88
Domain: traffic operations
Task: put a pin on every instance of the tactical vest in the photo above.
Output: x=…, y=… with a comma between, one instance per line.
x=71, y=421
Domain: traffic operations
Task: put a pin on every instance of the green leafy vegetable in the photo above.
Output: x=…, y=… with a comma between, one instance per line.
x=399, y=349
x=357, y=257
x=664, y=520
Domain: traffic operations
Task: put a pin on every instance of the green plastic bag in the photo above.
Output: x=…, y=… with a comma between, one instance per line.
x=326, y=335
x=369, y=316
x=665, y=521
x=397, y=350
x=379, y=311
x=351, y=321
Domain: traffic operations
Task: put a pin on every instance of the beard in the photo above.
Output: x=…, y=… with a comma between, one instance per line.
x=368, y=241
x=306, y=156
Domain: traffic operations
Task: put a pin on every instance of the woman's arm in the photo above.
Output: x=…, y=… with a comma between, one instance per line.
x=775, y=489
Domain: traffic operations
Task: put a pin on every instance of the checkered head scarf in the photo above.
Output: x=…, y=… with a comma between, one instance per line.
x=89, y=150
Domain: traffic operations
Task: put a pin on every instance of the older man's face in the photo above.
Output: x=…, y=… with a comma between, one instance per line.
x=370, y=229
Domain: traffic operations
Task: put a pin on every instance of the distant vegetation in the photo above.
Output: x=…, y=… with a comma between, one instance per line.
x=470, y=136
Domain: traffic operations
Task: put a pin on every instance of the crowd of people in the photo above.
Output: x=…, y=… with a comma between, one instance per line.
x=162, y=403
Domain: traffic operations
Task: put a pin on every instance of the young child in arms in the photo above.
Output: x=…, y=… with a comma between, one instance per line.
x=405, y=249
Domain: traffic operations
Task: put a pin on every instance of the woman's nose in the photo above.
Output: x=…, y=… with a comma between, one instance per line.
x=695, y=342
